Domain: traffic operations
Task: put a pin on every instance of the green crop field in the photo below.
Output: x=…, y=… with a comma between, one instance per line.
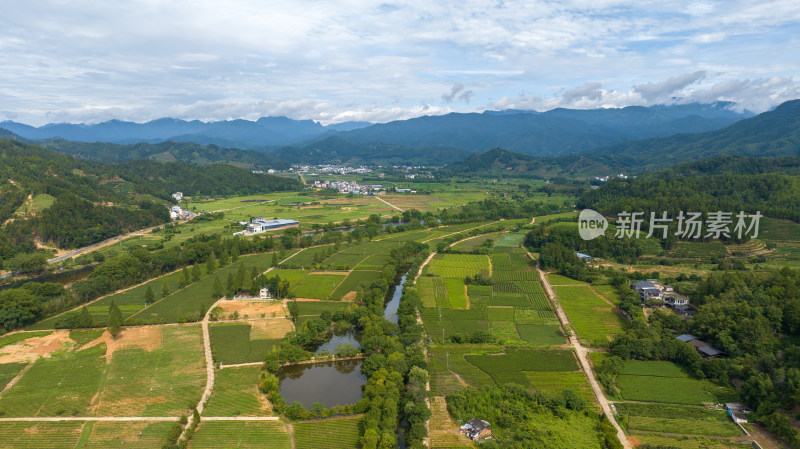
x=305, y=258
x=317, y=307
x=163, y=382
x=231, y=344
x=672, y=390
x=8, y=371
x=556, y=382
x=593, y=319
x=197, y=296
x=474, y=243
x=445, y=360
x=40, y=435
x=535, y=293
x=132, y=434
x=504, y=331
x=687, y=442
x=509, y=367
x=509, y=299
x=292, y=276
x=317, y=286
x=654, y=368
x=453, y=322
x=81, y=337
x=541, y=334
x=355, y=280
x=241, y=435
x=609, y=291
x=479, y=290
x=236, y=393
x=458, y=266
x=510, y=240
x=688, y=420
x=557, y=279
x=340, y=433
x=456, y=293
x=61, y=385
x=500, y=313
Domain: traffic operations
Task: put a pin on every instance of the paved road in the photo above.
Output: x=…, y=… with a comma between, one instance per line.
x=583, y=357
x=99, y=244
x=388, y=203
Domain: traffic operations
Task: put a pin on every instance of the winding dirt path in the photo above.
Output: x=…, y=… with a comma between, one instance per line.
x=583, y=358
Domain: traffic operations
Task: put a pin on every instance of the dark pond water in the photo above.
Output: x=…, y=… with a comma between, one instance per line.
x=329, y=383
x=390, y=311
x=339, y=338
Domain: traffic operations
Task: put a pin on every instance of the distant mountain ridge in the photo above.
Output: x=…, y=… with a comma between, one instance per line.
x=559, y=131
x=773, y=133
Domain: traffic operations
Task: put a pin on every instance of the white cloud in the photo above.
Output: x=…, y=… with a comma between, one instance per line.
x=333, y=60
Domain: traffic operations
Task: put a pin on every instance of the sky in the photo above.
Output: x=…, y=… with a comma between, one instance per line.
x=353, y=60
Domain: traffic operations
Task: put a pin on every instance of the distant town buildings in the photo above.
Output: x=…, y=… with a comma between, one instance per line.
x=347, y=187
x=178, y=196
x=609, y=178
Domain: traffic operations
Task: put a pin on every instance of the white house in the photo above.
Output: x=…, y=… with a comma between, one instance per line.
x=178, y=196
x=264, y=294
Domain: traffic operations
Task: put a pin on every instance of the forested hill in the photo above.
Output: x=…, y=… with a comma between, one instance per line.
x=500, y=162
x=773, y=133
x=188, y=152
x=69, y=202
x=729, y=184
x=337, y=150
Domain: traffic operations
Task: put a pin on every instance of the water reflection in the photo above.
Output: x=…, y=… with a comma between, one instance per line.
x=340, y=337
x=329, y=383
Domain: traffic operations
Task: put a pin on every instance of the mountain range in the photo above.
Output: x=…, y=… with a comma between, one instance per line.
x=559, y=131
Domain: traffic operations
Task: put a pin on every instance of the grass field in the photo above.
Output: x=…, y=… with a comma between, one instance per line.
x=197, y=296
x=557, y=279
x=289, y=275
x=668, y=383
x=541, y=334
x=445, y=360
x=453, y=322
x=317, y=286
x=609, y=291
x=458, y=266
x=593, y=319
x=509, y=367
x=688, y=420
x=62, y=385
x=236, y=393
x=167, y=381
x=241, y=435
x=355, y=280
x=456, y=293
x=8, y=371
x=135, y=434
x=40, y=435
x=686, y=442
x=556, y=382
x=231, y=343
x=340, y=433
x=317, y=307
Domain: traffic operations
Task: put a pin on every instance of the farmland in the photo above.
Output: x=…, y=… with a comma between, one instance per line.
x=459, y=266
x=317, y=286
x=236, y=393
x=241, y=435
x=231, y=343
x=339, y=433
x=668, y=383
x=594, y=320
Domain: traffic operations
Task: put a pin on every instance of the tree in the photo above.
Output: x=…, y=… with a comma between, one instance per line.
x=274, y=259
x=229, y=289
x=164, y=288
x=241, y=273
x=85, y=318
x=185, y=278
x=149, y=295
x=196, y=273
x=114, y=319
x=211, y=263
x=217, y=292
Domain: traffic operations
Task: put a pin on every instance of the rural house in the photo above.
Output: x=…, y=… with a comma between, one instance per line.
x=705, y=349
x=477, y=429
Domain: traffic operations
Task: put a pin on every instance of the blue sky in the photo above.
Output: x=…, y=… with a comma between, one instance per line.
x=333, y=61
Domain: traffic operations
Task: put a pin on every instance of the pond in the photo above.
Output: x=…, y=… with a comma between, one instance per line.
x=390, y=310
x=329, y=383
x=339, y=338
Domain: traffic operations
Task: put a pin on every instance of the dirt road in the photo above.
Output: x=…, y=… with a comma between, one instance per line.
x=583, y=358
